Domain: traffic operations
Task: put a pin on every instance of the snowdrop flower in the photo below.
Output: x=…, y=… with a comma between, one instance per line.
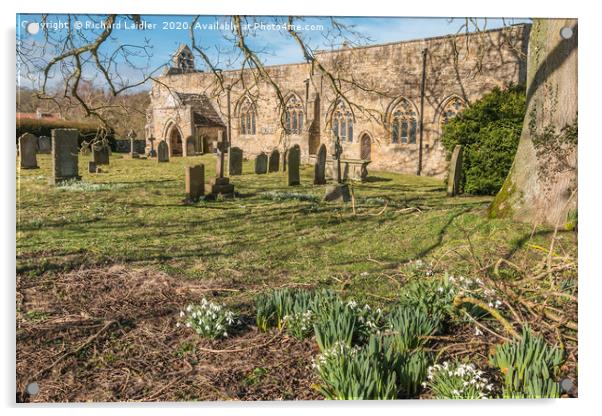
x=182, y=314
x=477, y=331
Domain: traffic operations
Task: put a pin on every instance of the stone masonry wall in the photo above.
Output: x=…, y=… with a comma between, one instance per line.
x=463, y=67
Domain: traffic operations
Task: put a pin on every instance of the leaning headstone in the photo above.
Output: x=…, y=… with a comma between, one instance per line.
x=274, y=161
x=320, y=166
x=100, y=154
x=294, y=160
x=195, y=182
x=162, y=152
x=65, y=150
x=44, y=144
x=28, y=147
x=455, y=171
x=261, y=163
x=235, y=161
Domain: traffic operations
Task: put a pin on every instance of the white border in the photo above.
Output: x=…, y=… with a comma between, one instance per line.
x=589, y=180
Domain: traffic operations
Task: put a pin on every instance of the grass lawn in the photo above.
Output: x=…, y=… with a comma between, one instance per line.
x=270, y=235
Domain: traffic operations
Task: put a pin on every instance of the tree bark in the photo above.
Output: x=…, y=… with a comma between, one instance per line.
x=541, y=186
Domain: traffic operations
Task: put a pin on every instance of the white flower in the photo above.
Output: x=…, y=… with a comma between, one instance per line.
x=477, y=331
x=177, y=324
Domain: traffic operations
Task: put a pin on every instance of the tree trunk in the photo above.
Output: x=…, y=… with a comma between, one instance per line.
x=541, y=186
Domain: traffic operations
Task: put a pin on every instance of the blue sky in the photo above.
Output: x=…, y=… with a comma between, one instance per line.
x=163, y=34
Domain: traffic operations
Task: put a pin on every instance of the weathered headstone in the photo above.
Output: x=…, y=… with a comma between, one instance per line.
x=261, y=163
x=195, y=182
x=320, y=166
x=28, y=147
x=284, y=156
x=294, y=162
x=221, y=184
x=65, y=151
x=100, y=154
x=91, y=167
x=455, y=171
x=190, y=151
x=235, y=161
x=152, y=152
x=337, y=192
x=162, y=152
x=44, y=144
x=274, y=161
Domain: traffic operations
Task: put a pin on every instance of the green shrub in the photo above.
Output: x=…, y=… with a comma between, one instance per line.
x=43, y=127
x=530, y=367
x=410, y=328
x=489, y=131
x=458, y=381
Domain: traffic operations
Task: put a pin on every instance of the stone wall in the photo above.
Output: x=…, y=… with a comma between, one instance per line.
x=457, y=69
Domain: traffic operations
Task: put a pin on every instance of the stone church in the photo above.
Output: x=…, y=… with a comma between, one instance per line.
x=386, y=103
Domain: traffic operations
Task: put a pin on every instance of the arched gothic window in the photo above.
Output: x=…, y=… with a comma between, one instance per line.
x=293, y=116
x=342, y=122
x=247, y=115
x=403, y=123
x=451, y=109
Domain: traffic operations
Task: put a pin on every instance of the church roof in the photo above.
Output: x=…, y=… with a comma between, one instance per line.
x=203, y=111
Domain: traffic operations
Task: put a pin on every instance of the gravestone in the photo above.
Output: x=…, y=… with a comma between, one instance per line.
x=261, y=163
x=274, y=161
x=100, y=154
x=195, y=182
x=294, y=162
x=190, y=151
x=455, y=171
x=235, y=161
x=284, y=161
x=65, y=150
x=44, y=145
x=337, y=192
x=320, y=166
x=28, y=147
x=92, y=167
x=132, y=137
x=162, y=152
x=221, y=184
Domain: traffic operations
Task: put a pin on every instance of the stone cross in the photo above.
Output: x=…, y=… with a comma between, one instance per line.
x=132, y=137
x=152, y=151
x=455, y=172
x=221, y=147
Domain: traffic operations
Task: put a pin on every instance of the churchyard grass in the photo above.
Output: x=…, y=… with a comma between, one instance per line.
x=401, y=243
